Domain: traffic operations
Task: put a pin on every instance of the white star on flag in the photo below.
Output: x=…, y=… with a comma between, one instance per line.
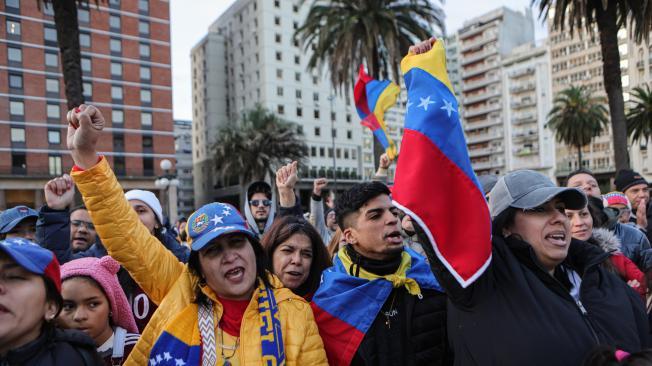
x=166, y=356
x=217, y=220
x=226, y=212
x=425, y=102
x=152, y=361
x=179, y=362
x=408, y=104
x=159, y=358
x=448, y=107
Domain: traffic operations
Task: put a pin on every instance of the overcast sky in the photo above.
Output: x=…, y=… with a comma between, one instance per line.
x=190, y=20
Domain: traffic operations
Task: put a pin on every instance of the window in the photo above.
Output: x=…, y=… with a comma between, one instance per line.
x=317, y=131
x=18, y=163
x=17, y=134
x=114, y=22
x=338, y=153
x=143, y=27
x=49, y=34
x=295, y=25
x=299, y=112
x=322, y=152
x=277, y=3
x=54, y=137
x=279, y=56
x=348, y=118
x=148, y=166
x=114, y=3
x=116, y=69
x=313, y=151
x=119, y=165
x=333, y=116
x=315, y=96
x=279, y=73
x=86, y=64
x=15, y=81
x=14, y=54
x=145, y=96
x=297, y=60
x=48, y=9
x=279, y=91
x=117, y=116
x=297, y=94
x=297, y=76
x=316, y=114
x=145, y=119
x=52, y=85
x=13, y=27
x=277, y=20
x=116, y=92
x=315, y=80
x=144, y=50
x=84, y=39
x=83, y=15
x=145, y=73
x=55, y=165
x=277, y=38
x=148, y=142
x=280, y=109
x=16, y=108
x=51, y=59
x=115, y=45
x=118, y=142
x=87, y=89
x=53, y=111
x=334, y=133
x=349, y=134
x=295, y=8
x=143, y=5
x=12, y=4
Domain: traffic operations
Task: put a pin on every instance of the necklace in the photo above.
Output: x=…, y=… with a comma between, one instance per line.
x=391, y=312
x=223, y=346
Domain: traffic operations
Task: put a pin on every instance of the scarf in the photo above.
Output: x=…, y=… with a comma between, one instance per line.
x=270, y=330
x=345, y=306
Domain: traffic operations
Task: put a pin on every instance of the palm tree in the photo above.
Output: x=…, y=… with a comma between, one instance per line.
x=609, y=16
x=65, y=21
x=639, y=116
x=577, y=117
x=254, y=146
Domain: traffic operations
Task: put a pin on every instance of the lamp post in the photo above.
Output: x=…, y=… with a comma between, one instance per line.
x=169, y=183
x=330, y=99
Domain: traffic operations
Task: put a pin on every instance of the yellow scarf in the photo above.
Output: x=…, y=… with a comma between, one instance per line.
x=398, y=278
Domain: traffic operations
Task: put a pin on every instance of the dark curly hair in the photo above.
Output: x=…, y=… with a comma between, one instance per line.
x=282, y=229
x=351, y=200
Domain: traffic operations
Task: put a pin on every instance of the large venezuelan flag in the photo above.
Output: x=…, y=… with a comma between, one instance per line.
x=434, y=181
x=372, y=99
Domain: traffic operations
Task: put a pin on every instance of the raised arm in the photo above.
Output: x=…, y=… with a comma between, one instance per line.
x=127, y=240
x=317, y=209
x=286, y=179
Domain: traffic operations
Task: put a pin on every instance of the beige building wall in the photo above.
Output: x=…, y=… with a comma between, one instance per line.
x=639, y=74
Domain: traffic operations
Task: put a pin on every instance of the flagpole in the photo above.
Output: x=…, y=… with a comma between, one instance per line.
x=331, y=98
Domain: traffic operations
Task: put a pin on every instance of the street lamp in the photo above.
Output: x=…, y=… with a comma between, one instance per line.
x=169, y=183
x=330, y=99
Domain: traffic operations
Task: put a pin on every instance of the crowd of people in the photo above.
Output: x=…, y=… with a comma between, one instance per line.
x=352, y=281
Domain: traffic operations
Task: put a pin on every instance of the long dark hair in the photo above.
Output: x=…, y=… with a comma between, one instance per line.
x=282, y=230
x=261, y=267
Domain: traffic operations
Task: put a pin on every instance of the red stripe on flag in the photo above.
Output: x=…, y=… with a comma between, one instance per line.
x=341, y=340
x=447, y=205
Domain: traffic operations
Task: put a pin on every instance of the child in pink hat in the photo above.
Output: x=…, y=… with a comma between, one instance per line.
x=94, y=302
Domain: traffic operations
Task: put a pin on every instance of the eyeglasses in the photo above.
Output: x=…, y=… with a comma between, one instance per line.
x=257, y=203
x=87, y=225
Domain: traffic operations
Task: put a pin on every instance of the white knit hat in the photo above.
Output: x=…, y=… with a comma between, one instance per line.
x=150, y=200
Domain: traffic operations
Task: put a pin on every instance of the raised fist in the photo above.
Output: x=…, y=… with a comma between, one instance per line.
x=59, y=192
x=85, y=124
x=287, y=176
x=318, y=185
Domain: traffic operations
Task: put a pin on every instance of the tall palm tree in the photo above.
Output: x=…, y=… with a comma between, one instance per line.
x=639, y=116
x=253, y=147
x=577, y=117
x=609, y=16
x=67, y=26
x=343, y=34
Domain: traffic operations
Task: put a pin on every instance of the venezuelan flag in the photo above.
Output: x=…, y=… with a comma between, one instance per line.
x=434, y=181
x=372, y=99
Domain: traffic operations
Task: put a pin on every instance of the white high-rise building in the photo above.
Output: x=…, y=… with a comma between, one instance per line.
x=484, y=42
x=453, y=63
x=249, y=57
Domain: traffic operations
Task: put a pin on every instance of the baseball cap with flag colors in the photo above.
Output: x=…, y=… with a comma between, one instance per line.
x=33, y=258
x=213, y=220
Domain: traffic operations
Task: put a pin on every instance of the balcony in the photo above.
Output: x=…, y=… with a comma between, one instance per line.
x=523, y=104
x=466, y=73
x=487, y=51
x=466, y=86
x=525, y=118
x=470, y=126
x=480, y=111
x=486, y=38
x=640, y=64
x=491, y=135
x=486, y=151
x=495, y=163
x=473, y=29
x=522, y=72
x=525, y=151
x=522, y=88
x=480, y=97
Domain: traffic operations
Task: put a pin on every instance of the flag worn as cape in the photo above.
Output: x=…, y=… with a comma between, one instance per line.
x=434, y=181
x=372, y=99
x=345, y=306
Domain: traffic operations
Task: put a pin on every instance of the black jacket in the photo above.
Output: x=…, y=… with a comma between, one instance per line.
x=515, y=313
x=55, y=347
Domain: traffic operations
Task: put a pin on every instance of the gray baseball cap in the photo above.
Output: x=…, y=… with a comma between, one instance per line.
x=527, y=189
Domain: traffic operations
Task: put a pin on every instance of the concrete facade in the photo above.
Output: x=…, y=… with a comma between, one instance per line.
x=183, y=153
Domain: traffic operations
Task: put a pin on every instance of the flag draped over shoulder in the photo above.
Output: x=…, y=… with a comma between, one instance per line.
x=372, y=99
x=434, y=181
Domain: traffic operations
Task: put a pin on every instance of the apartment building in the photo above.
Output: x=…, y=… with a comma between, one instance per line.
x=183, y=155
x=249, y=57
x=639, y=67
x=125, y=49
x=453, y=63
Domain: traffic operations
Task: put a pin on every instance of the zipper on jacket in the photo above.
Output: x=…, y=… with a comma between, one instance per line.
x=585, y=315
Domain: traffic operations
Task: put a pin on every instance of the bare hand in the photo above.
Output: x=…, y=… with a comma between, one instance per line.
x=385, y=161
x=318, y=186
x=59, y=192
x=84, y=130
x=422, y=47
x=287, y=176
x=641, y=214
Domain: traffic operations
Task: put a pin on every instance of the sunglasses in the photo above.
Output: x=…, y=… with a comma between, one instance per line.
x=78, y=223
x=257, y=203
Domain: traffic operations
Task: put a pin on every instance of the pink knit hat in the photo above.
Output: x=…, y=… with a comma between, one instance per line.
x=103, y=271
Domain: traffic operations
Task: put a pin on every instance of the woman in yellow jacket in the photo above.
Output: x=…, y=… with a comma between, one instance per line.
x=222, y=308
